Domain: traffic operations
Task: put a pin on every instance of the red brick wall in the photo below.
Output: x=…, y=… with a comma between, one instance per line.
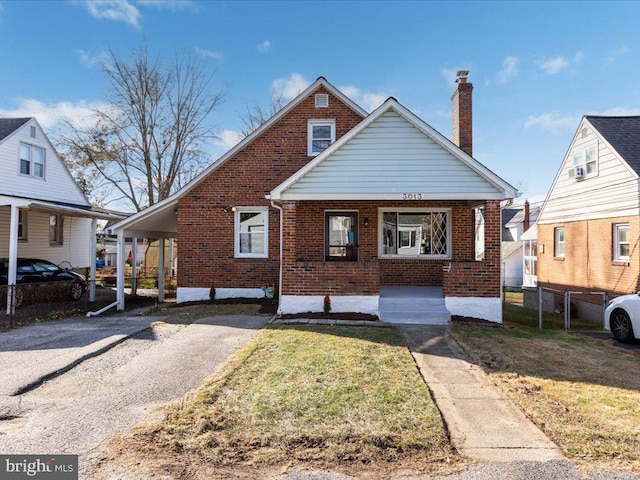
x=306, y=273
x=478, y=279
x=206, y=232
x=588, y=263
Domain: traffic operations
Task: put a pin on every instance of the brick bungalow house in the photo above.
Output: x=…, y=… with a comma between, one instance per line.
x=589, y=227
x=325, y=199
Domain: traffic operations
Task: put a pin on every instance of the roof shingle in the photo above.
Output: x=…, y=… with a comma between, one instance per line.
x=623, y=134
x=10, y=125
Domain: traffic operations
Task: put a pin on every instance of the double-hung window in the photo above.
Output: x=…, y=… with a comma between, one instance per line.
x=558, y=250
x=31, y=160
x=321, y=134
x=22, y=226
x=251, y=232
x=621, y=249
x=584, y=163
x=415, y=232
x=56, y=229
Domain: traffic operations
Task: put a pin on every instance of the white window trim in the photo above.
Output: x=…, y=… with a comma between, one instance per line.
x=582, y=153
x=557, y=242
x=31, y=173
x=236, y=232
x=381, y=212
x=314, y=123
x=616, y=242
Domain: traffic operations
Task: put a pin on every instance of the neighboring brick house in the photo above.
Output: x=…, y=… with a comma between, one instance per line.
x=360, y=202
x=589, y=226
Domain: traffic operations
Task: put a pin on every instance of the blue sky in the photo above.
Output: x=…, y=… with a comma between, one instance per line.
x=537, y=67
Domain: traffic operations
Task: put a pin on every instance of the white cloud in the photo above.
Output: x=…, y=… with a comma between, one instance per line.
x=51, y=115
x=289, y=87
x=557, y=123
x=554, y=122
x=172, y=5
x=509, y=70
x=93, y=60
x=619, y=112
x=228, y=138
x=367, y=100
x=579, y=57
x=116, y=10
x=618, y=52
x=553, y=66
x=208, y=53
x=265, y=46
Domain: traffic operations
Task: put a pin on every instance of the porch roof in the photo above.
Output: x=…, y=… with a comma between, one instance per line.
x=61, y=208
x=394, y=155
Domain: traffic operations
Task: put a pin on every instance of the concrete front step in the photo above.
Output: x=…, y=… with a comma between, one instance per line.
x=425, y=317
x=414, y=305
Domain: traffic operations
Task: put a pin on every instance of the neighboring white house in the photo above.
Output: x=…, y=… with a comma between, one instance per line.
x=515, y=221
x=43, y=212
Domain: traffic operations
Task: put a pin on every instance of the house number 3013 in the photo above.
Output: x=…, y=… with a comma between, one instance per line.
x=412, y=196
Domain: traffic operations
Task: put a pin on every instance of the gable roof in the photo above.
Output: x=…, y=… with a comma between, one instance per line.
x=623, y=134
x=171, y=201
x=10, y=125
x=389, y=154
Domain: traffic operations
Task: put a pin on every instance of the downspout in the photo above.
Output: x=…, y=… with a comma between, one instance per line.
x=274, y=205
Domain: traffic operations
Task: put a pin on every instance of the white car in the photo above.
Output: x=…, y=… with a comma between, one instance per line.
x=622, y=317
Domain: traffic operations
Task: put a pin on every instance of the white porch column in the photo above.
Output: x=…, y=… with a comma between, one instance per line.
x=171, y=272
x=120, y=263
x=13, y=259
x=92, y=255
x=161, y=270
x=134, y=263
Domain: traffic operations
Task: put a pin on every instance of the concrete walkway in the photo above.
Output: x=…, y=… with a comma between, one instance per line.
x=482, y=422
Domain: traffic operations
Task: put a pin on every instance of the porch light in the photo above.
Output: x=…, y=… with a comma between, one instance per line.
x=366, y=221
x=230, y=209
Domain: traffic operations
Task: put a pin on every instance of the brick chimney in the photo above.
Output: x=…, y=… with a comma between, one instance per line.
x=462, y=134
x=526, y=223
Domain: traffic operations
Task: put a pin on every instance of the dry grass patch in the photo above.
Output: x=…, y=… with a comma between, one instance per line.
x=300, y=395
x=584, y=393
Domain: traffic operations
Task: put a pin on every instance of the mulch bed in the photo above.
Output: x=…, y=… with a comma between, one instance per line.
x=460, y=320
x=267, y=305
x=332, y=316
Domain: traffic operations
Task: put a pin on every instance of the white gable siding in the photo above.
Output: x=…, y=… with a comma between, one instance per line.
x=75, y=246
x=612, y=193
x=57, y=185
x=392, y=156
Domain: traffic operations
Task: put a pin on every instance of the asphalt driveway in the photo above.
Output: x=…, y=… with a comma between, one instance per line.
x=117, y=379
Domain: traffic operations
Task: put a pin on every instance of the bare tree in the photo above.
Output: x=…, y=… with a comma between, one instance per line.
x=257, y=115
x=150, y=142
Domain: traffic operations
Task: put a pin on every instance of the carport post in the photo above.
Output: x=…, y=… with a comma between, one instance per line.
x=120, y=271
x=161, y=270
x=13, y=260
x=539, y=307
x=134, y=266
x=92, y=255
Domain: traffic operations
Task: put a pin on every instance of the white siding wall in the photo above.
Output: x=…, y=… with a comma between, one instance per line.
x=75, y=246
x=58, y=184
x=392, y=156
x=612, y=193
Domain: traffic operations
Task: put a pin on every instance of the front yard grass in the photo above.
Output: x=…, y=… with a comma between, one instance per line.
x=324, y=396
x=583, y=392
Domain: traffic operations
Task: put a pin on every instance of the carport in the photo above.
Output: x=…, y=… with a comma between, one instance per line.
x=16, y=204
x=156, y=222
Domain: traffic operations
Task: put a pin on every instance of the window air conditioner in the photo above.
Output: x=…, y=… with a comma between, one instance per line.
x=579, y=173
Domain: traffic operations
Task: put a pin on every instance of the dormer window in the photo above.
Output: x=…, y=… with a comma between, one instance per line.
x=31, y=160
x=33, y=131
x=322, y=133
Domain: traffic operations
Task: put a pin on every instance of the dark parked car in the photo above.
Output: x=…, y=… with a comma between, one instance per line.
x=33, y=270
